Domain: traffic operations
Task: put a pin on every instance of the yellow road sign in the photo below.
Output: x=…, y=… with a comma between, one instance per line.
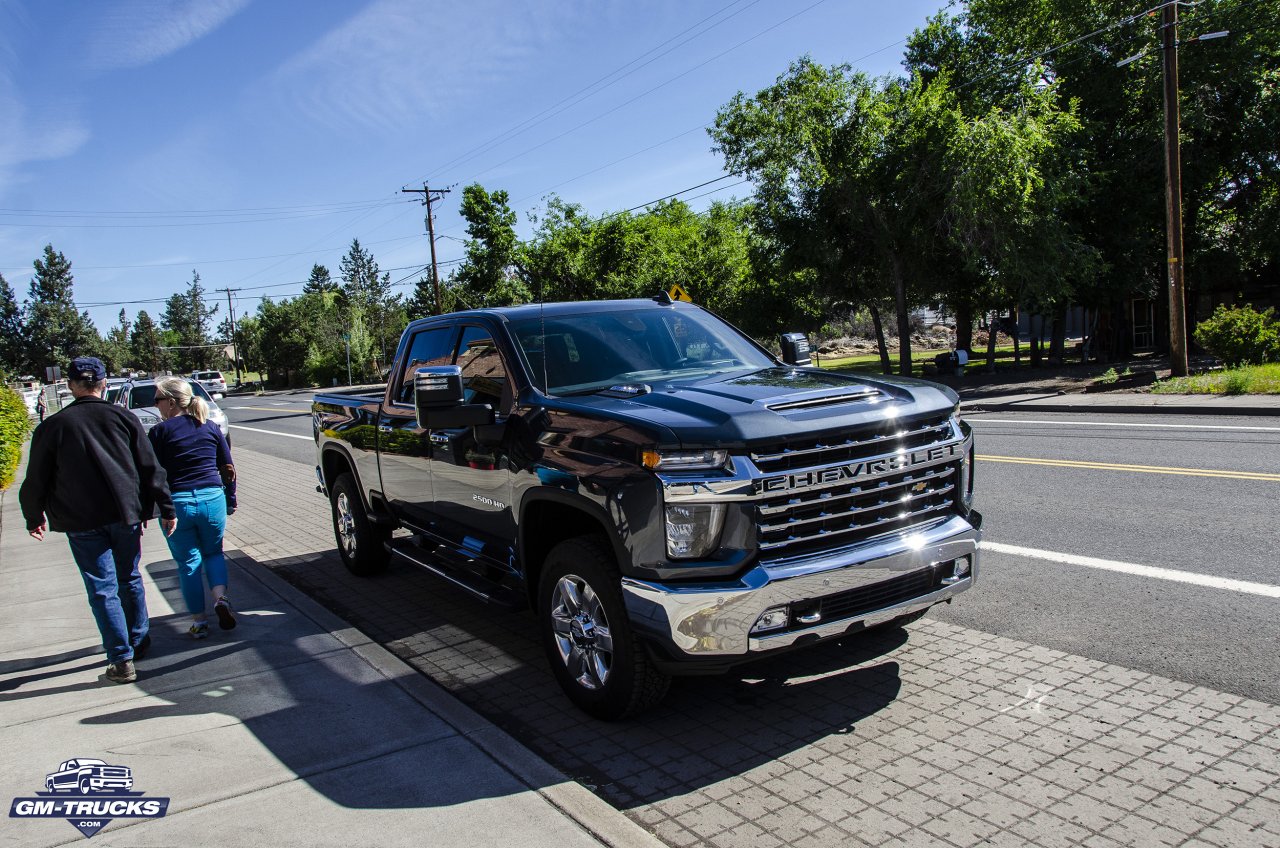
x=677, y=292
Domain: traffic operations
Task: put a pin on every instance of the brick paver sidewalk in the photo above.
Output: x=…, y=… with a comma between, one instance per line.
x=936, y=735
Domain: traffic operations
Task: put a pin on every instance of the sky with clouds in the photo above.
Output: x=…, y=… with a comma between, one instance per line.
x=247, y=140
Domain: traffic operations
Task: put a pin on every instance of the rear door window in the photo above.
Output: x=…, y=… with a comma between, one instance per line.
x=427, y=348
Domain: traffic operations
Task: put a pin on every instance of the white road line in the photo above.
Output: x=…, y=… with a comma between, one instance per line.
x=1075, y=423
x=270, y=432
x=1264, y=589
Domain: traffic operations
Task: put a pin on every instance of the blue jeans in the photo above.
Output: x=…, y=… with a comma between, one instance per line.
x=197, y=543
x=108, y=559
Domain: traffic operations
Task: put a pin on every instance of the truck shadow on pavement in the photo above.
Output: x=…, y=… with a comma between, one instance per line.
x=708, y=728
x=314, y=710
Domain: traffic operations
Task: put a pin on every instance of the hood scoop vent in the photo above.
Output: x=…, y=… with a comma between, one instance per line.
x=626, y=390
x=858, y=394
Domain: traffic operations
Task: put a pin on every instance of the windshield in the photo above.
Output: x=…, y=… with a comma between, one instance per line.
x=145, y=394
x=572, y=354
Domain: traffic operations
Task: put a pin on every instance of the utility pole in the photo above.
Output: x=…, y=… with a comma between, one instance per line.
x=235, y=348
x=1173, y=179
x=1173, y=193
x=429, y=195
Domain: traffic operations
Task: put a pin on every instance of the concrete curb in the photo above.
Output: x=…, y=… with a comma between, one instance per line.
x=588, y=811
x=1172, y=406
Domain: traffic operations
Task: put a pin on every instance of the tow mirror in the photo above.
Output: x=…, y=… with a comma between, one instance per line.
x=438, y=399
x=795, y=349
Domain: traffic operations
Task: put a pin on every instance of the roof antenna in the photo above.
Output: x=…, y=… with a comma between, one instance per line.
x=542, y=319
x=664, y=298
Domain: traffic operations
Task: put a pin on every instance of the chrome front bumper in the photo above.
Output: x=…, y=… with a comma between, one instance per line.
x=714, y=619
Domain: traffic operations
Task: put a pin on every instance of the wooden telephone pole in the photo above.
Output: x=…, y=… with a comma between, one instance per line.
x=1173, y=193
x=428, y=196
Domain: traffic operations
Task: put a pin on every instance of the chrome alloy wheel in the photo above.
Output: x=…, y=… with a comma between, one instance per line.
x=582, y=633
x=346, y=524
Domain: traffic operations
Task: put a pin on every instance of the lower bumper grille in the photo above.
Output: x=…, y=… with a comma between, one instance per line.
x=865, y=599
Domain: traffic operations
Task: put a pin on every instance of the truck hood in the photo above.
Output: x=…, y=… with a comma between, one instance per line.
x=774, y=403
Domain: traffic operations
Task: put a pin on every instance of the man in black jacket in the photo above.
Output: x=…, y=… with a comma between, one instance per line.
x=93, y=473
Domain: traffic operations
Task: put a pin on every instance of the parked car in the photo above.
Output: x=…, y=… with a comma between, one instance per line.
x=139, y=397
x=88, y=776
x=213, y=381
x=667, y=496
x=113, y=388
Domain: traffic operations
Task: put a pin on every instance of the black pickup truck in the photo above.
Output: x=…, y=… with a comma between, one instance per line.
x=664, y=493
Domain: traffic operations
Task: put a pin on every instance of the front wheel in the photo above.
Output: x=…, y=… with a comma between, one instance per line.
x=593, y=652
x=360, y=541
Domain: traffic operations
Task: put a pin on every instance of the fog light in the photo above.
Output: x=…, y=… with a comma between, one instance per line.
x=770, y=619
x=693, y=530
x=960, y=569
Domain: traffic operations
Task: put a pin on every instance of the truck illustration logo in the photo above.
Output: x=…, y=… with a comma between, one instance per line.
x=88, y=777
x=88, y=793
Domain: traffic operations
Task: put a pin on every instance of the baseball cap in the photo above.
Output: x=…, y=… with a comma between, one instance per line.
x=87, y=368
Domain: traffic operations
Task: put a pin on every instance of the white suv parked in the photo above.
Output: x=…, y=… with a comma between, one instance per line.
x=213, y=381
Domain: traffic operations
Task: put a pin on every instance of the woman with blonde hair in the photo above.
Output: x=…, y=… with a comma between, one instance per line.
x=202, y=478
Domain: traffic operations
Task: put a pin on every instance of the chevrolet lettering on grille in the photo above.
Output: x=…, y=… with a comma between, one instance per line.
x=854, y=471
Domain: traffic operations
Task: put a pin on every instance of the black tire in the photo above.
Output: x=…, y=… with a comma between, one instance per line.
x=86, y=787
x=360, y=541
x=589, y=642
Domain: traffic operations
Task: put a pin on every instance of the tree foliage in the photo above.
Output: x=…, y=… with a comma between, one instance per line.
x=55, y=331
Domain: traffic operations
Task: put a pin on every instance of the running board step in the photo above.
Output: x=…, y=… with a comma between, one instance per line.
x=437, y=564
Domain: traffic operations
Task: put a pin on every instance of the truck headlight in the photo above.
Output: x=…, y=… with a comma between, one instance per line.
x=693, y=530
x=685, y=460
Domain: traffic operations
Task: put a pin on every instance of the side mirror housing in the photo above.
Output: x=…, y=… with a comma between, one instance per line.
x=795, y=349
x=438, y=400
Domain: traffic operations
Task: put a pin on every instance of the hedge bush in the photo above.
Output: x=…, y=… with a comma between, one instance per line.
x=1240, y=335
x=15, y=424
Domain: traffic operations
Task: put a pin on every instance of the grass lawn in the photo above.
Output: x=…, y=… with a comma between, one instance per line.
x=1249, y=380
x=869, y=363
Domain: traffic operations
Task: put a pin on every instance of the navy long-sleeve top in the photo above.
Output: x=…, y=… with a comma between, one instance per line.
x=191, y=453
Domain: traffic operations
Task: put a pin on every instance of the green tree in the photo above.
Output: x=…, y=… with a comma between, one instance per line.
x=423, y=300
x=1229, y=126
x=319, y=282
x=116, y=346
x=887, y=189
x=145, y=345
x=187, y=316
x=11, y=335
x=487, y=276
x=55, y=331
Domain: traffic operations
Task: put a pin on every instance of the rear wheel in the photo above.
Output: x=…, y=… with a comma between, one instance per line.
x=593, y=652
x=360, y=541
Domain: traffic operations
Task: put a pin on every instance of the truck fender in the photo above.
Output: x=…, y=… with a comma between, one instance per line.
x=335, y=460
x=533, y=542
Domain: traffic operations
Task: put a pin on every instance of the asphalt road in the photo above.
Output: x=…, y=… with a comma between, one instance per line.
x=1196, y=496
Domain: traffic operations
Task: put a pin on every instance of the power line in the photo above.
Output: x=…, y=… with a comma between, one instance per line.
x=167, y=212
x=575, y=98
x=201, y=222
x=649, y=91
x=193, y=262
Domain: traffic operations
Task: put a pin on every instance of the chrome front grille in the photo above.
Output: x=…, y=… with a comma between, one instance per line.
x=810, y=519
x=879, y=439
x=804, y=522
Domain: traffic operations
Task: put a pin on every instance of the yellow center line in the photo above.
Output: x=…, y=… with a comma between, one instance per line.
x=1141, y=469
x=270, y=408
